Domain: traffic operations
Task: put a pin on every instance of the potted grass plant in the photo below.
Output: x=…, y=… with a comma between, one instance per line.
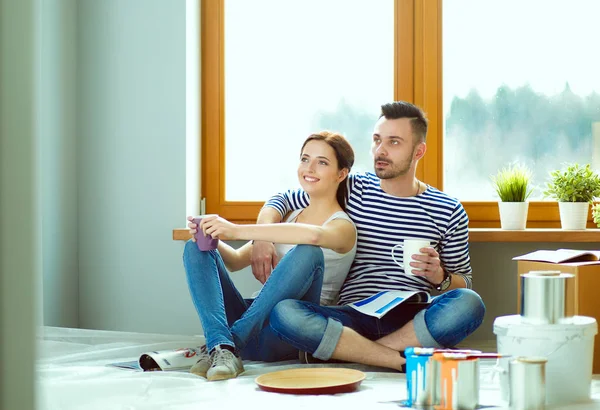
x=574, y=187
x=513, y=186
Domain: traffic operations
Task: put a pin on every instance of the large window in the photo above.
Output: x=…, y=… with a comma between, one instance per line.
x=519, y=85
x=514, y=87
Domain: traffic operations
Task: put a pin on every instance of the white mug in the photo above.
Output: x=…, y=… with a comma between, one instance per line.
x=409, y=248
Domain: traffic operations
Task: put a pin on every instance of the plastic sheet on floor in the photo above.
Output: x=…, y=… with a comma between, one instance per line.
x=73, y=372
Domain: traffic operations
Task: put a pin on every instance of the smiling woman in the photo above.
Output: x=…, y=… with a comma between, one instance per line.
x=236, y=328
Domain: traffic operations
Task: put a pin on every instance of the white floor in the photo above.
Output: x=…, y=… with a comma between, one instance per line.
x=72, y=373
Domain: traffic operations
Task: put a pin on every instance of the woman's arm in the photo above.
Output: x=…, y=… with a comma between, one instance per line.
x=235, y=259
x=338, y=235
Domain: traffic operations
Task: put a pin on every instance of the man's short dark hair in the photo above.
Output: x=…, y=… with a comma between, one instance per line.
x=403, y=109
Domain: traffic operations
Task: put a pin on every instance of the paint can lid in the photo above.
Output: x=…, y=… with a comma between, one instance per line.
x=544, y=272
x=531, y=359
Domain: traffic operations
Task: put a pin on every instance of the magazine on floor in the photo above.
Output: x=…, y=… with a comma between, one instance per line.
x=381, y=303
x=163, y=360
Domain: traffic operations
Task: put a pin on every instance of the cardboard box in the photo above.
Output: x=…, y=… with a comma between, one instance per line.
x=581, y=296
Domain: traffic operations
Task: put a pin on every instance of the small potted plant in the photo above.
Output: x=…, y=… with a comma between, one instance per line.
x=574, y=187
x=512, y=184
x=596, y=214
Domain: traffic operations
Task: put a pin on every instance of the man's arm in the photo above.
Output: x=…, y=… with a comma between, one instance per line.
x=268, y=215
x=285, y=203
x=456, y=282
x=454, y=250
x=453, y=258
x=264, y=258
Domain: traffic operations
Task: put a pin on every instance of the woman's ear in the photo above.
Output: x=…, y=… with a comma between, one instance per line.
x=342, y=174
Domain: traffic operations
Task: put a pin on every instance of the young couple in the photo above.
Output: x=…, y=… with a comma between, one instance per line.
x=386, y=208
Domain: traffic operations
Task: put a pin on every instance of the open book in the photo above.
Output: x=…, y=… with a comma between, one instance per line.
x=560, y=256
x=178, y=359
x=381, y=303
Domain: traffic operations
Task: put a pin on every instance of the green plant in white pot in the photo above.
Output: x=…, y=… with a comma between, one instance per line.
x=574, y=187
x=513, y=186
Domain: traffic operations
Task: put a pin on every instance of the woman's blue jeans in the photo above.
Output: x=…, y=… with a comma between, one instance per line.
x=316, y=329
x=229, y=319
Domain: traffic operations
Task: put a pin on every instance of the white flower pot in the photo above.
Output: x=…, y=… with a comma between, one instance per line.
x=513, y=215
x=573, y=215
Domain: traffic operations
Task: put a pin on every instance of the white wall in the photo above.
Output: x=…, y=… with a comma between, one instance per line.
x=132, y=135
x=20, y=262
x=57, y=108
x=192, y=107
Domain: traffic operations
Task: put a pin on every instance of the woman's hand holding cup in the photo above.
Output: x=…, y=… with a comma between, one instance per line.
x=219, y=228
x=193, y=227
x=204, y=240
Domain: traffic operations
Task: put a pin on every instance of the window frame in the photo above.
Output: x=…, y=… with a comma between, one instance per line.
x=417, y=78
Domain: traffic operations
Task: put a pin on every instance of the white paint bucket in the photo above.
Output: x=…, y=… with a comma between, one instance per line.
x=569, y=348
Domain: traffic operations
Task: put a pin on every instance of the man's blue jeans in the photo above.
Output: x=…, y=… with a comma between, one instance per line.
x=317, y=329
x=229, y=319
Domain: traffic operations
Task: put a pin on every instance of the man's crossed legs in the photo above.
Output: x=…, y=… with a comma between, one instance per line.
x=340, y=332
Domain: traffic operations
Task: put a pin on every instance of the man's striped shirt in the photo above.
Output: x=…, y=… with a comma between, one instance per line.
x=384, y=220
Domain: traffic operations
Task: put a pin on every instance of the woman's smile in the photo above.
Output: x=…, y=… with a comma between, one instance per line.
x=308, y=178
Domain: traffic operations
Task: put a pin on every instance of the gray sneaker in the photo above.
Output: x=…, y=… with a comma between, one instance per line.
x=203, y=364
x=225, y=365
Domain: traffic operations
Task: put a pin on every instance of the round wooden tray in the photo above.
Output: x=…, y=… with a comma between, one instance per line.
x=319, y=380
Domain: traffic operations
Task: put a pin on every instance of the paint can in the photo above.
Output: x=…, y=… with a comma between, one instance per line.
x=527, y=377
x=458, y=381
x=421, y=374
x=543, y=297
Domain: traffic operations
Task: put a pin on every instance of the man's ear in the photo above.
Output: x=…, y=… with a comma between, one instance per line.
x=342, y=174
x=420, y=151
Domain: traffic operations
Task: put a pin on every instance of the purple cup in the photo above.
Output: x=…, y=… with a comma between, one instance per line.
x=204, y=242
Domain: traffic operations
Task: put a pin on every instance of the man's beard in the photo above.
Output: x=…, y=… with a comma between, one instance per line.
x=393, y=171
